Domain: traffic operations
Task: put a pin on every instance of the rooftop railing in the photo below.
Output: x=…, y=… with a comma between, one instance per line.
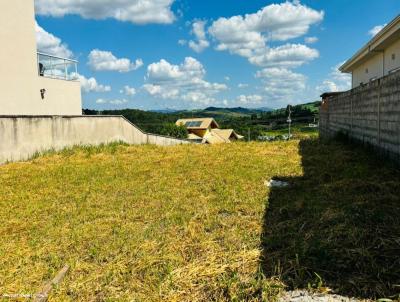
x=57, y=68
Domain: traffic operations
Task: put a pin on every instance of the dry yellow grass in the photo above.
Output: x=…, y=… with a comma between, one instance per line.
x=141, y=223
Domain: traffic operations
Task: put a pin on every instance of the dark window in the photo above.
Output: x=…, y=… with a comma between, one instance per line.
x=193, y=124
x=366, y=70
x=393, y=56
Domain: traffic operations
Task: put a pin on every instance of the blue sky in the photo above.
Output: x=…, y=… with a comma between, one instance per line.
x=186, y=54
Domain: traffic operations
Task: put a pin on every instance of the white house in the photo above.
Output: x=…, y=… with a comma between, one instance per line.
x=32, y=83
x=378, y=58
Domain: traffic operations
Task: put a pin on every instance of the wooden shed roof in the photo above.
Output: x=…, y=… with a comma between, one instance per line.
x=198, y=123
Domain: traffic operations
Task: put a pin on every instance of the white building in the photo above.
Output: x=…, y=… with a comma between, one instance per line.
x=32, y=83
x=378, y=58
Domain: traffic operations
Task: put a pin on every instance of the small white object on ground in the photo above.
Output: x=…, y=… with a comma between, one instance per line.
x=276, y=184
x=304, y=296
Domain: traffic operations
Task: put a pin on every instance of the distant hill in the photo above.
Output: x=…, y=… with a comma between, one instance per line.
x=239, y=118
x=166, y=111
x=223, y=113
x=234, y=109
x=216, y=111
x=299, y=110
x=265, y=109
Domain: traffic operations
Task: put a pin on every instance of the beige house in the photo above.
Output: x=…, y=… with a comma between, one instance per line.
x=32, y=83
x=206, y=131
x=378, y=58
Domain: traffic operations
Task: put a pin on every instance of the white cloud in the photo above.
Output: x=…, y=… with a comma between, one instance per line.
x=181, y=82
x=163, y=92
x=100, y=60
x=311, y=40
x=128, y=91
x=227, y=78
x=91, y=85
x=248, y=35
x=288, y=55
x=328, y=86
x=249, y=99
x=280, y=84
x=336, y=81
x=340, y=76
x=50, y=44
x=199, y=32
x=242, y=85
x=164, y=71
x=135, y=11
x=112, y=102
x=198, y=97
x=118, y=102
x=374, y=31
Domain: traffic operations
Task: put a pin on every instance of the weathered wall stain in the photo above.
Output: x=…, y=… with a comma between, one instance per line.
x=23, y=136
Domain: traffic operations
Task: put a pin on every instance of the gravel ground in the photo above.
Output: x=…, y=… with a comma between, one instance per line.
x=304, y=296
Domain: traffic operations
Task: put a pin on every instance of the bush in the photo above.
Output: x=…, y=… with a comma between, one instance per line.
x=174, y=131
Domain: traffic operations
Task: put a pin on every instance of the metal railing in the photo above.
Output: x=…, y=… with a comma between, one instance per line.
x=57, y=68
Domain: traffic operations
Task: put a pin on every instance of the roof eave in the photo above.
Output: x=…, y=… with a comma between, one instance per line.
x=367, y=49
x=215, y=123
x=196, y=128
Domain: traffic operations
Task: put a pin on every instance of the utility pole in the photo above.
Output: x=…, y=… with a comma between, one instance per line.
x=289, y=109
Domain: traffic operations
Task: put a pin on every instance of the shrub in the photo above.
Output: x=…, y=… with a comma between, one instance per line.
x=174, y=131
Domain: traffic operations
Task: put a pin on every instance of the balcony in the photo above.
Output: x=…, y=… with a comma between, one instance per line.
x=57, y=68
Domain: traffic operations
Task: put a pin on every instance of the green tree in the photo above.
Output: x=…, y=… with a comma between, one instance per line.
x=173, y=130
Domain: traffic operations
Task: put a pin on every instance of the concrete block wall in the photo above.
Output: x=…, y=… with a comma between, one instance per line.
x=23, y=136
x=369, y=114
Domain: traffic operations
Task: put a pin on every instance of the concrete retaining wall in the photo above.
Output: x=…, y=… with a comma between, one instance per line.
x=23, y=136
x=369, y=114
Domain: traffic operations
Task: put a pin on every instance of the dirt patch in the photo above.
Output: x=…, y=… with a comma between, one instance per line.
x=304, y=296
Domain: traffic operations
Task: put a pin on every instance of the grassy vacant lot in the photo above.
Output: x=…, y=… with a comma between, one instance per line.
x=190, y=223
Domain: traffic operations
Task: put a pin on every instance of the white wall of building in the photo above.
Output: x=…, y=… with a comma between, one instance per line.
x=379, y=65
x=20, y=83
x=392, y=57
x=61, y=97
x=371, y=69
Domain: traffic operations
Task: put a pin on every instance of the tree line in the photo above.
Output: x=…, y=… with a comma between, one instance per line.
x=255, y=123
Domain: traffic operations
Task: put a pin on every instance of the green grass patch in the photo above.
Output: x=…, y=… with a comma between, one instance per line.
x=299, y=131
x=143, y=223
x=190, y=223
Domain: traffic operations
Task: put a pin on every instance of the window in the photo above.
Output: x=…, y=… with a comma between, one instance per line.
x=366, y=70
x=393, y=56
x=193, y=124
